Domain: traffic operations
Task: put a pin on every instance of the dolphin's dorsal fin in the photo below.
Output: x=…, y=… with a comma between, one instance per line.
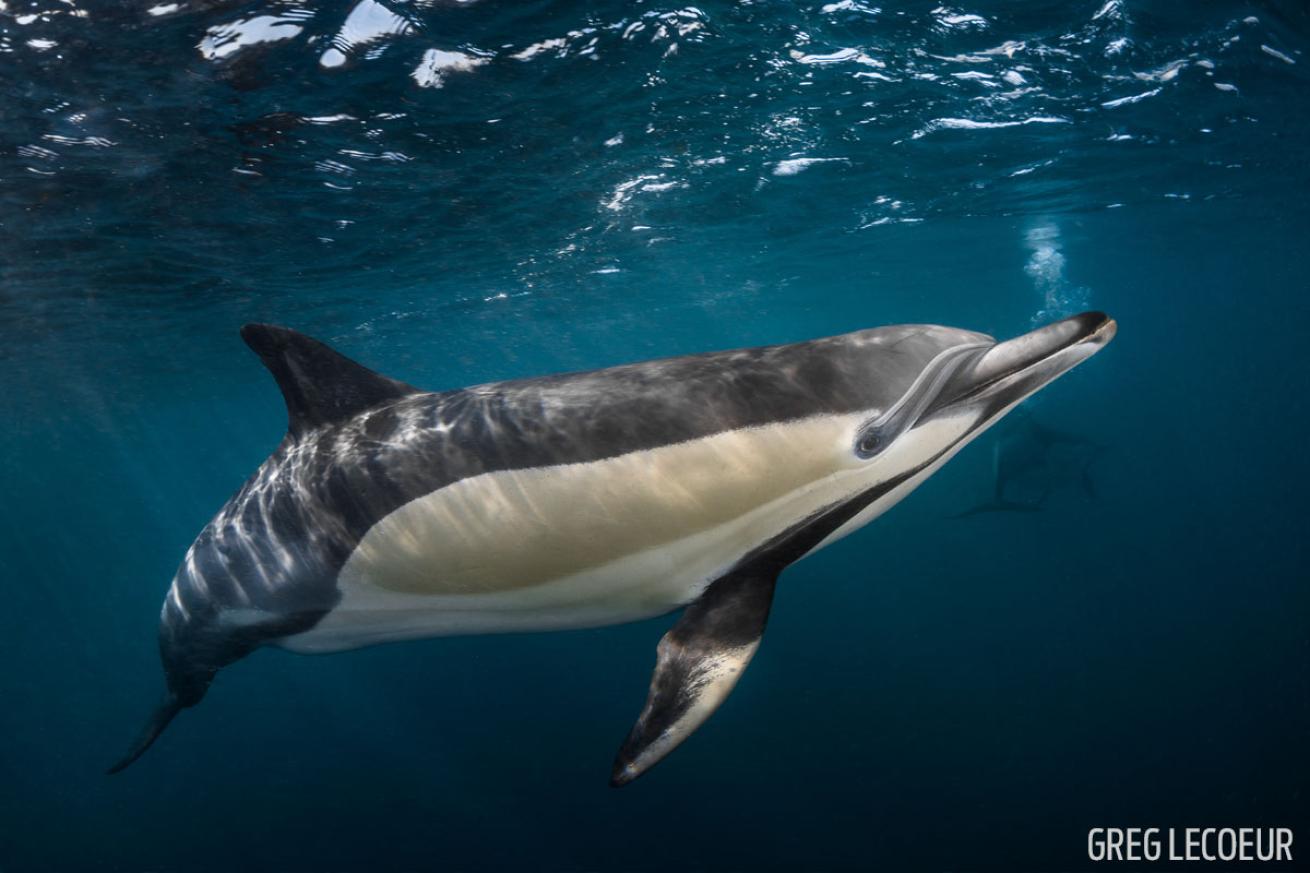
x=320, y=386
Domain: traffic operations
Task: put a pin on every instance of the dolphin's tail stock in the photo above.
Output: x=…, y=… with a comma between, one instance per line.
x=163, y=714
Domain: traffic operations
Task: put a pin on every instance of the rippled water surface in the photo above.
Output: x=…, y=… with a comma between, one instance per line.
x=455, y=192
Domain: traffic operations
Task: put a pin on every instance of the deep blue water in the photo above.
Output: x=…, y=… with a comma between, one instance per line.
x=455, y=193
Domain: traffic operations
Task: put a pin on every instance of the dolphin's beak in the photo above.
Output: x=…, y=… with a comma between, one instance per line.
x=1008, y=372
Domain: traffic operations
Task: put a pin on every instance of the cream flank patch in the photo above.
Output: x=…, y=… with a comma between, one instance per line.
x=519, y=529
x=655, y=578
x=713, y=484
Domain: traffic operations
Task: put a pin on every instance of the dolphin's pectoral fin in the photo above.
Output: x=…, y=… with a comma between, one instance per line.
x=698, y=662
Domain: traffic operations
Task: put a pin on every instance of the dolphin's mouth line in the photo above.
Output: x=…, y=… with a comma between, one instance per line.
x=1100, y=334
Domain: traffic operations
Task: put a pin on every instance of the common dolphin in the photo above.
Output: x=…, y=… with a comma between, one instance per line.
x=580, y=500
x=1030, y=460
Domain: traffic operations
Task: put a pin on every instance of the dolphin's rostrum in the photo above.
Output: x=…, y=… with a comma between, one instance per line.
x=580, y=500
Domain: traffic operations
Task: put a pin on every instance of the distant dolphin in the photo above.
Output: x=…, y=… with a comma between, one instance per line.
x=1030, y=460
x=570, y=501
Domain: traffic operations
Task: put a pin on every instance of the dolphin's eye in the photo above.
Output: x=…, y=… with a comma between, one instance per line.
x=870, y=443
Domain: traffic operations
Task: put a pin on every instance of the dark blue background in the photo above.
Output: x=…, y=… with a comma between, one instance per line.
x=933, y=693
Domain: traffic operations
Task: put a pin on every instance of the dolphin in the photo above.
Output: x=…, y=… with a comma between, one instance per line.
x=1030, y=460
x=579, y=500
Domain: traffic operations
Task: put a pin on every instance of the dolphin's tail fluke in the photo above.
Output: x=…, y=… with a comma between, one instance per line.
x=163, y=714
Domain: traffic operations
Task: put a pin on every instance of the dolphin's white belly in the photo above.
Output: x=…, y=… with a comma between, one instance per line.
x=585, y=545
